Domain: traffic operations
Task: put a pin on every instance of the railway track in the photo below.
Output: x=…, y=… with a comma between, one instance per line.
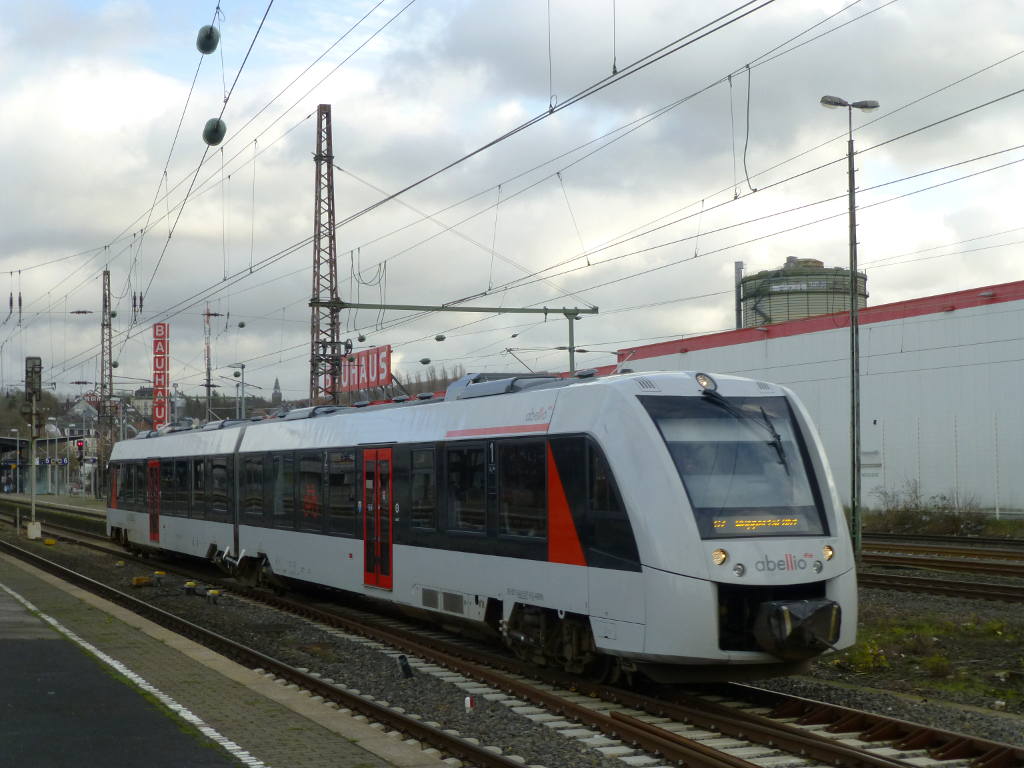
x=1010, y=593
x=973, y=542
x=732, y=726
x=94, y=528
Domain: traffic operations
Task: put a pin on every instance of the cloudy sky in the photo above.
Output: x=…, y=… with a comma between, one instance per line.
x=637, y=198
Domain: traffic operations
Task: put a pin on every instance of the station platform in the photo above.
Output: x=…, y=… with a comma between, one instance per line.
x=85, y=682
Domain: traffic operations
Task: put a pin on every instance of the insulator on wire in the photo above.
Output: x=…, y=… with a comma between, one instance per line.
x=207, y=39
x=140, y=301
x=213, y=132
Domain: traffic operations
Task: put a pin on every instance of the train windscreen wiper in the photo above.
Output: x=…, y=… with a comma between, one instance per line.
x=766, y=424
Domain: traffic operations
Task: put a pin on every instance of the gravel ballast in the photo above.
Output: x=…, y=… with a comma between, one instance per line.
x=892, y=690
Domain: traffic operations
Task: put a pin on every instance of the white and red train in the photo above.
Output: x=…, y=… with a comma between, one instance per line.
x=675, y=523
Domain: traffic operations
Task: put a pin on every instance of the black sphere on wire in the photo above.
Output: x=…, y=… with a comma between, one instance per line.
x=207, y=39
x=213, y=132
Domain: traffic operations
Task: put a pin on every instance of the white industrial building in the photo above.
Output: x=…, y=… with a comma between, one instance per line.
x=941, y=389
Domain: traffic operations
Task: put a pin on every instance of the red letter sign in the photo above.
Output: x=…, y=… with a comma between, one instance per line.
x=161, y=360
x=367, y=369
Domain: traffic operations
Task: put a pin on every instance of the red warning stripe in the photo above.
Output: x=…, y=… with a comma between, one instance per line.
x=479, y=431
x=563, y=541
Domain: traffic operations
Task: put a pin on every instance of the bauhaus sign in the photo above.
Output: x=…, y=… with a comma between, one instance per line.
x=366, y=369
x=161, y=359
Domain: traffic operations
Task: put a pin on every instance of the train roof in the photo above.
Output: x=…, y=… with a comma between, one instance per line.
x=227, y=436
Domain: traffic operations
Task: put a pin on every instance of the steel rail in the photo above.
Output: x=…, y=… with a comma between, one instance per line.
x=947, y=550
x=1000, y=567
x=940, y=745
x=254, y=659
x=962, y=541
x=971, y=589
x=729, y=721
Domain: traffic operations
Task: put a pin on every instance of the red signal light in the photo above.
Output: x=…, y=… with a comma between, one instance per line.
x=80, y=443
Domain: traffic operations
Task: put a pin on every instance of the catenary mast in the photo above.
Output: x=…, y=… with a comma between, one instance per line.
x=324, y=352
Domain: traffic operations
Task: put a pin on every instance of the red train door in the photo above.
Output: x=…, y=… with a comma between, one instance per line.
x=153, y=497
x=377, y=519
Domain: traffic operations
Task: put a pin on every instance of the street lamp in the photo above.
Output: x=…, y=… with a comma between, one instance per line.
x=240, y=410
x=17, y=462
x=832, y=102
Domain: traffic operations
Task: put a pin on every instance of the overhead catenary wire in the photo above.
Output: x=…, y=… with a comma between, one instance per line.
x=224, y=106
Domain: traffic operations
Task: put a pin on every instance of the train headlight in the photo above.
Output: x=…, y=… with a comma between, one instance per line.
x=705, y=382
x=739, y=569
x=827, y=552
x=817, y=566
x=719, y=556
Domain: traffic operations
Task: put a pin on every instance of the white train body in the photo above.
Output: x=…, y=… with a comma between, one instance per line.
x=633, y=518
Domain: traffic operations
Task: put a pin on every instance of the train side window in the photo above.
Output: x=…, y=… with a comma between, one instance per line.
x=311, y=484
x=466, y=488
x=180, y=485
x=341, y=492
x=219, y=484
x=522, y=488
x=124, y=486
x=199, y=489
x=612, y=534
x=424, y=489
x=252, y=489
x=168, y=504
x=282, y=490
x=132, y=498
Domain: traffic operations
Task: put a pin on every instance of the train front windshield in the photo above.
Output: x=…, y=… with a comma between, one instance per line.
x=743, y=463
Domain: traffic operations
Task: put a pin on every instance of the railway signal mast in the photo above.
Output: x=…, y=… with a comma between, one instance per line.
x=325, y=351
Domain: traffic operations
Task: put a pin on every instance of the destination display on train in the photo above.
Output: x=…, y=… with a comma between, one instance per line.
x=758, y=524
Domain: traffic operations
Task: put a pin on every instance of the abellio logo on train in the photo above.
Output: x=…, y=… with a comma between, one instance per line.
x=787, y=563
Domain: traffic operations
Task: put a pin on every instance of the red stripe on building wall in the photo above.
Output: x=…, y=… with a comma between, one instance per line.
x=481, y=431
x=929, y=305
x=563, y=541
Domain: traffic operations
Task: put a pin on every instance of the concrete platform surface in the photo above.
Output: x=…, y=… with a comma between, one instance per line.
x=86, y=682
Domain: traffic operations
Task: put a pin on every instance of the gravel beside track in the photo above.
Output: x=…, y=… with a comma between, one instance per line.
x=357, y=664
x=352, y=663
x=901, y=690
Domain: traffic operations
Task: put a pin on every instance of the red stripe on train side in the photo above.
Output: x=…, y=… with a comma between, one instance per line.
x=480, y=431
x=563, y=541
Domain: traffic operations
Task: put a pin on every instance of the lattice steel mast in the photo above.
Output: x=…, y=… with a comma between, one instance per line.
x=107, y=410
x=324, y=352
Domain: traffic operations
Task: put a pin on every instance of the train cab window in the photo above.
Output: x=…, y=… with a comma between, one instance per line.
x=743, y=464
x=252, y=489
x=282, y=490
x=168, y=503
x=467, y=500
x=522, y=488
x=199, y=489
x=341, y=492
x=424, y=489
x=219, y=488
x=311, y=486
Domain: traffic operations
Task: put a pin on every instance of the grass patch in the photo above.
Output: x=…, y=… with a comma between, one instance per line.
x=908, y=511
